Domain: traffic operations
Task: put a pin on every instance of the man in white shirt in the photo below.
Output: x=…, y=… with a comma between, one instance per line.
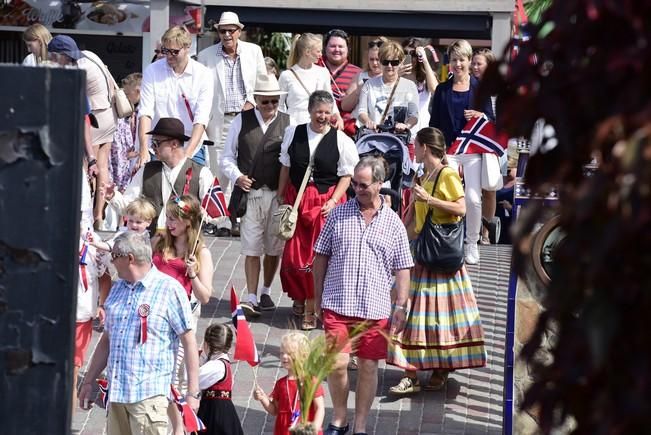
x=165, y=178
x=234, y=66
x=176, y=87
x=250, y=162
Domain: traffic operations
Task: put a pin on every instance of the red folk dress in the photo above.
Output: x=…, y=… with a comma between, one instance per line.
x=285, y=395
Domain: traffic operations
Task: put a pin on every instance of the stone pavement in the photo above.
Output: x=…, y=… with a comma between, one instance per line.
x=470, y=404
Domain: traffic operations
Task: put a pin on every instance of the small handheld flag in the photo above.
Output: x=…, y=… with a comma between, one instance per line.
x=479, y=136
x=103, y=389
x=245, y=349
x=191, y=421
x=214, y=202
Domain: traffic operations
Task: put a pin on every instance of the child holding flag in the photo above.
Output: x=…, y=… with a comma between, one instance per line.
x=217, y=411
x=284, y=401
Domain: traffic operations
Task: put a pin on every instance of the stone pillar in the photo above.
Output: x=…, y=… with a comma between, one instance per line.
x=501, y=32
x=159, y=18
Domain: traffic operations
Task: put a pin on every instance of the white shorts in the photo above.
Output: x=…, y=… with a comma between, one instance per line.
x=256, y=234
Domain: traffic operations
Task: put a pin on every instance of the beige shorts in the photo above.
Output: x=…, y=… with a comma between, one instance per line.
x=147, y=417
x=256, y=234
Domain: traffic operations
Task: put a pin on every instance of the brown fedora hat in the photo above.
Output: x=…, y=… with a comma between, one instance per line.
x=170, y=127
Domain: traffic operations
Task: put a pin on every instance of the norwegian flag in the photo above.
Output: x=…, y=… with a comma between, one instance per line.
x=479, y=136
x=214, y=201
x=245, y=349
x=191, y=422
x=103, y=389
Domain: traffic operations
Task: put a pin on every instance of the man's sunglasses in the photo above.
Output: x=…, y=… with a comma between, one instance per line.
x=225, y=31
x=361, y=186
x=158, y=142
x=265, y=102
x=173, y=51
x=392, y=62
x=377, y=44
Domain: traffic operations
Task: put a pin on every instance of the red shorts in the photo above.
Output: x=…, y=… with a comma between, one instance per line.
x=83, y=333
x=371, y=345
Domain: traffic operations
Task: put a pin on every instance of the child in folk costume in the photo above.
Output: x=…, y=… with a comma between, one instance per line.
x=284, y=401
x=216, y=410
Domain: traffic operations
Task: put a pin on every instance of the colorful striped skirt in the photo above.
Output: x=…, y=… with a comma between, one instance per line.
x=443, y=329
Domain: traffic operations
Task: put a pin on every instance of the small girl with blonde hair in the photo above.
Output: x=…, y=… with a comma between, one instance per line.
x=284, y=401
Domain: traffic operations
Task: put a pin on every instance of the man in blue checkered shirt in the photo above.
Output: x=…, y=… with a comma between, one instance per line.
x=147, y=314
x=362, y=248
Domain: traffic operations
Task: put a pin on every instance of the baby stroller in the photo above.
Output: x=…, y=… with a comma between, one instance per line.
x=393, y=148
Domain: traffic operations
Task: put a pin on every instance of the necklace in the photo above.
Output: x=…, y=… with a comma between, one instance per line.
x=295, y=413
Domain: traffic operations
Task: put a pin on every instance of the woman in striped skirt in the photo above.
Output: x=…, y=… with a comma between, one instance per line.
x=443, y=330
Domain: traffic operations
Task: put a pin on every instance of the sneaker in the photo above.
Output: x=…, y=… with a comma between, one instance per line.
x=250, y=310
x=471, y=253
x=266, y=304
x=406, y=386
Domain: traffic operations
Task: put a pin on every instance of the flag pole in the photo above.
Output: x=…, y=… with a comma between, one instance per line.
x=203, y=219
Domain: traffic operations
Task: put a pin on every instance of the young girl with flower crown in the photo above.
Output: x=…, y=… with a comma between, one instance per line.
x=181, y=253
x=284, y=401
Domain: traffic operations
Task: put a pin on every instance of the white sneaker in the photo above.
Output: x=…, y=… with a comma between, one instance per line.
x=471, y=253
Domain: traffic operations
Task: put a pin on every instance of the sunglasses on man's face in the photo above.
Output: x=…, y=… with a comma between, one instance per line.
x=373, y=44
x=265, y=102
x=360, y=186
x=173, y=51
x=392, y=62
x=116, y=255
x=158, y=142
x=225, y=31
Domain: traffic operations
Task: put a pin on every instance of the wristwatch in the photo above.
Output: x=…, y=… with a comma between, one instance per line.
x=196, y=395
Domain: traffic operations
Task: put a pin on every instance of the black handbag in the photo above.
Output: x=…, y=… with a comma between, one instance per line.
x=439, y=247
x=237, y=203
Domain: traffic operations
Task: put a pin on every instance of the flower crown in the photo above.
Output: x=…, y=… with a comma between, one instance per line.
x=183, y=206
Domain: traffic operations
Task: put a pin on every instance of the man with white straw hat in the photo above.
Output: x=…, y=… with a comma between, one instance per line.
x=250, y=161
x=234, y=65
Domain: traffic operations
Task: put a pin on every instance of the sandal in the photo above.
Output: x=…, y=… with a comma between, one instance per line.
x=309, y=322
x=298, y=309
x=437, y=381
x=406, y=386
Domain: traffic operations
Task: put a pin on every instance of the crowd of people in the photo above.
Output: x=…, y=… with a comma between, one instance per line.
x=272, y=139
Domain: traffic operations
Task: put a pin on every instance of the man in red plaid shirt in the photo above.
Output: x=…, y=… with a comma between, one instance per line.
x=360, y=250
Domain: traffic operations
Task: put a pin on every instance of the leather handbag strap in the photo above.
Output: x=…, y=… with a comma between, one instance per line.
x=389, y=101
x=301, y=82
x=436, y=182
x=301, y=190
x=107, y=76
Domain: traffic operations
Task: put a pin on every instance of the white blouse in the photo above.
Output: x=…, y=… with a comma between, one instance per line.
x=348, y=156
x=211, y=371
x=294, y=103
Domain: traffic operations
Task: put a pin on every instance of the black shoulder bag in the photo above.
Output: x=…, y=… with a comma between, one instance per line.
x=439, y=247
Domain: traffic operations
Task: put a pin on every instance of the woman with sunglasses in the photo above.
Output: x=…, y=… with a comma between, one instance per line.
x=374, y=69
x=378, y=92
x=453, y=105
x=303, y=78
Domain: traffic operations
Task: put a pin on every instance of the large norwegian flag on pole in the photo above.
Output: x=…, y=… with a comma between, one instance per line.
x=479, y=136
x=214, y=201
x=245, y=349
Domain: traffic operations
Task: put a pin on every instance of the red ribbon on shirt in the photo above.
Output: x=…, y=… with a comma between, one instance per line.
x=143, y=312
x=187, y=106
x=188, y=177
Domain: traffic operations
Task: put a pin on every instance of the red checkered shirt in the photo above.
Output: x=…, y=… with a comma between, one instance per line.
x=362, y=261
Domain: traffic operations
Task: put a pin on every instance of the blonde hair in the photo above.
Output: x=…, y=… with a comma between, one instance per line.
x=295, y=344
x=461, y=48
x=141, y=208
x=40, y=33
x=391, y=50
x=187, y=209
x=132, y=80
x=300, y=44
x=177, y=34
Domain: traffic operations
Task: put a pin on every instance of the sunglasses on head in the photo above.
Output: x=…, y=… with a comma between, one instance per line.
x=377, y=44
x=225, y=31
x=392, y=62
x=272, y=101
x=173, y=51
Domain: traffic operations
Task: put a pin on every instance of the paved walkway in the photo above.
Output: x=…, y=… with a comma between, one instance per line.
x=470, y=404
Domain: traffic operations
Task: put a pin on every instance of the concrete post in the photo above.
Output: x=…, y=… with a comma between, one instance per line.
x=501, y=32
x=159, y=18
